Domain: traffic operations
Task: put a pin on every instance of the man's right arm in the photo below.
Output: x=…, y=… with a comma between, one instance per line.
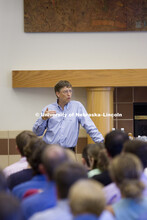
x=41, y=123
x=40, y=126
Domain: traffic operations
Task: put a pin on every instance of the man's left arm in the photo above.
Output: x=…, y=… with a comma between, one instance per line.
x=89, y=125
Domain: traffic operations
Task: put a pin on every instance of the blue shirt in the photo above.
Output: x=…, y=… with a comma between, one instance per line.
x=40, y=201
x=60, y=212
x=86, y=217
x=105, y=215
x=63, y=128
x=37, y=182
x=129, y=209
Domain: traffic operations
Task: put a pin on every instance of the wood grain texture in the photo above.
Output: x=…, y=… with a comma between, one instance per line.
x=80, y=78
x=85, y=15
x=100, y=101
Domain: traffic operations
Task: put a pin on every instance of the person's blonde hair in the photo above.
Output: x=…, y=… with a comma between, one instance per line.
x=125, y=171
x=71, y=155
x=86, y=196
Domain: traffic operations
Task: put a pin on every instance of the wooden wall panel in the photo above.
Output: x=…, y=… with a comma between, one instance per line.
x=80, y=78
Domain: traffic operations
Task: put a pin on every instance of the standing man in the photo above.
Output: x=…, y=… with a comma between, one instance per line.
x=62, y=120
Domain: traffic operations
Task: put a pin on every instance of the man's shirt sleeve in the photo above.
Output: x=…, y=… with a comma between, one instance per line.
x=40, y=125
x=89, y=125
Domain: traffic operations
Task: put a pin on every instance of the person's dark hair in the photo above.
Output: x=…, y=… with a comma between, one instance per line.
x=66, y=175
x=9, y=207
x=98, y=153
x=61, y=84
x=52, y=157
x=33, y=152
x=3, y=182
x=85, y=155
x=139, y=148
x=23, y=139
x=114, y=141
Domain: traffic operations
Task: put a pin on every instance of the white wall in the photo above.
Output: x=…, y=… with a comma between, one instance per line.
x=32, y=51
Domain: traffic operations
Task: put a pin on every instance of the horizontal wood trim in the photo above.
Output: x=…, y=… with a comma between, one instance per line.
x=80, y=78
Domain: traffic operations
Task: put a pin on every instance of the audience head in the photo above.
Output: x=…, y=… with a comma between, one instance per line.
x=114, y=141
x=23, y=139
x=87, y=197
x=33, y=152
x=85, y=159
x=126, y=170
x=139, y=148
x=9, y=207
x=71, y=155
x=52, y=157
x=3, y=182
x=66, y=175
x=97, y=156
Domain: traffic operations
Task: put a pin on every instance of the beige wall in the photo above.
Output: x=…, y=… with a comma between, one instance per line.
x=31, y=51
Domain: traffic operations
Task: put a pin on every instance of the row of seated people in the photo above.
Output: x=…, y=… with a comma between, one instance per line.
x=109, y=184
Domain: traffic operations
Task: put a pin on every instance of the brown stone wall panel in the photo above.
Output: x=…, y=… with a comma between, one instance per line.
x=126, y=110
x=114, y=108
x=82, y=142
x=126, y=124
x=140, y=94
x=115, y=95
x=115, y=123
x=3, y=146
x=125, y=94
x=12, y=147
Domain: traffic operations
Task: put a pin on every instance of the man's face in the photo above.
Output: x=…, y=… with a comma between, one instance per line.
x=64, y=95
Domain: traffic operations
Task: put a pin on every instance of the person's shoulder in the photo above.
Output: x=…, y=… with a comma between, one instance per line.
x=43, y=215
x=50, y=106
x=31, y=201
x=145, y=200
x=107, y=214
x=11, y=168
x=74, y=102
x=103, y=177
x=23, y=185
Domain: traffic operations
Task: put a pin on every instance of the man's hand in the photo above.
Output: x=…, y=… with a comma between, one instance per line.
x=48, y=114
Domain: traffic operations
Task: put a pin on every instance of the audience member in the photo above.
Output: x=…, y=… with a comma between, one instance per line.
x=33, y=151
x=98, y=159
x=22, y=140
x=3, y=182
x=139, y=148
x=87, y=201
x=66, y=175
x=126, y=170
x=85, y=159
x=23, y=175
x=52, y=157
x=114, y=141
x=9, y=207
x=71, y=155
x=19, y=177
